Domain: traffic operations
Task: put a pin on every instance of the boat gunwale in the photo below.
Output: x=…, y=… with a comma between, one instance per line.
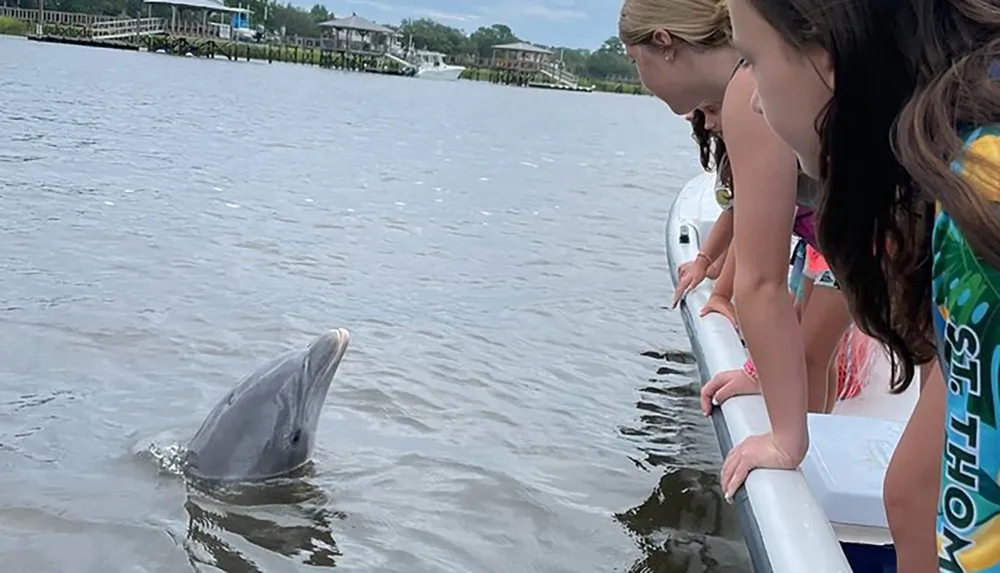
x=794, y=532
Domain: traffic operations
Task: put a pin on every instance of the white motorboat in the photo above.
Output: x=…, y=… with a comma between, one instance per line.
x=431, y=66
x=827, y=516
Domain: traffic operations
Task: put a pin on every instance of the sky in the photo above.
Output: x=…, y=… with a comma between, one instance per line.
x=572, y=23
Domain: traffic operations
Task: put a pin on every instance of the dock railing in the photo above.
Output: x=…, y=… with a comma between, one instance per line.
x=127, y=28
x=559, y=75
x=54, y=17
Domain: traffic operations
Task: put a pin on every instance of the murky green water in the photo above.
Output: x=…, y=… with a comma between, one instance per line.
x=515, y=397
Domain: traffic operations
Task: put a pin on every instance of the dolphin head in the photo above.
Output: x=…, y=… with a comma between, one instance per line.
x=266, y=426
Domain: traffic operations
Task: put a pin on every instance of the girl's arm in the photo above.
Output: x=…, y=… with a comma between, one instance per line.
x=724, y=284
x=715, y=270
x=765, y=172
x=718, y=240
x=691, y=273
x=721, y=299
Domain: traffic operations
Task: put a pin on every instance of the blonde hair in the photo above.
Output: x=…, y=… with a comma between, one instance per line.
x=704, y=24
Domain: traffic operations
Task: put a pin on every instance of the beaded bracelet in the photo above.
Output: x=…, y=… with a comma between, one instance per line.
x=750, y=370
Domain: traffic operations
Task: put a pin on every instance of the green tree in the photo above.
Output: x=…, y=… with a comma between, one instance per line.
x=293, y=20
x=320, y=14
x=430, y=35
x=484, y=38
x=613, y=45
x=102, y=7
x=610, y=62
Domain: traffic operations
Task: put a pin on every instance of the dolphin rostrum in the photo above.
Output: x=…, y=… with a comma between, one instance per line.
x=266, y=426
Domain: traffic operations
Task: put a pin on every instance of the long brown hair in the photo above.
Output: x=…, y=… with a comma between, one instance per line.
x=908, y=74
x=711, y=149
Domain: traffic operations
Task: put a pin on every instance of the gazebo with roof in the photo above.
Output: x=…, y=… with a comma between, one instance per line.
x=357, y=35
x=518, y=63
x=520, y=56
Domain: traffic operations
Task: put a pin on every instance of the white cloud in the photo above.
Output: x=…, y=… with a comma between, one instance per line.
x=373, y=4
x=416, y=10
x=438, y=15
x=536, y=11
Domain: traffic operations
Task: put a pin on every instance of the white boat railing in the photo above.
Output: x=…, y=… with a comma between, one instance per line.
x=785, y=527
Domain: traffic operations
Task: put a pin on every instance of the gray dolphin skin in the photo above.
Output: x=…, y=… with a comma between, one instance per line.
x=266, y=426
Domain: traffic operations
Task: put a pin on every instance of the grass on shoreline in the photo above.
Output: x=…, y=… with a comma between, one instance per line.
x=12, y=27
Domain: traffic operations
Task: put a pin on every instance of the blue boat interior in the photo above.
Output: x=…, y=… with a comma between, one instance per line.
x=870, y=558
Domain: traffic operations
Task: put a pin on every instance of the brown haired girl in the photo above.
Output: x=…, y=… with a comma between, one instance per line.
x=895, y=106
x=706, y=126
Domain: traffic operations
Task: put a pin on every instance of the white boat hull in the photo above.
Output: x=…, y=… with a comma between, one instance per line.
x=784, y=514
x=440, y=73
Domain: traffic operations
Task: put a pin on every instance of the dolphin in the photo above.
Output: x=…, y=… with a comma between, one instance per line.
x=266, y=426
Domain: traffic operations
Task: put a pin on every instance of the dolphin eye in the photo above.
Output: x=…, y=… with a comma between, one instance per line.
x=296, y=436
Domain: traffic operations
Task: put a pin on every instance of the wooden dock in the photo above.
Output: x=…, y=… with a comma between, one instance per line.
x=522, y=64
x=80, y=41
x=352, y=44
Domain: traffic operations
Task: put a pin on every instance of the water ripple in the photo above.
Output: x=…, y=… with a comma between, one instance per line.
x=515, y=398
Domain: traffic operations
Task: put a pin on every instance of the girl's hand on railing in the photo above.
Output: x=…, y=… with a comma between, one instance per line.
x=721, y=305
x=724, y=386
x=754, y=452
x=689, y=276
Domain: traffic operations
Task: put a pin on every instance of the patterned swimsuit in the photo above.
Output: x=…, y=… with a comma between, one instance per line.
x=967, y=325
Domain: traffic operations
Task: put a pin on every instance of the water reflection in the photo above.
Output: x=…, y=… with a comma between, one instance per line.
x=495, y=263
x=684, y=525
x=289, y=517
